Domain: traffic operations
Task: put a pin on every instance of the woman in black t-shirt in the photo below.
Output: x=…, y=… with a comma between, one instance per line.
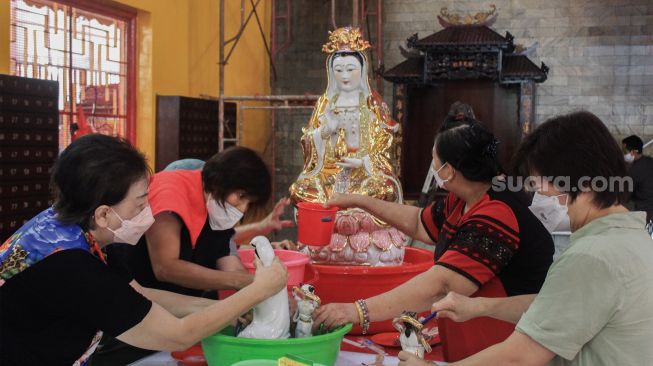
x=58, y=295
x=191, y=247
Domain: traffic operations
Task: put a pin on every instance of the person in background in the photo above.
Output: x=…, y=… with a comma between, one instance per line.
x=641, y=171
x=596, y=305
x=58, y=294
x=486, y=241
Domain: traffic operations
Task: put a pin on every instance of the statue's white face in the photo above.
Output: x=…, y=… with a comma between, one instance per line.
x=347, y=72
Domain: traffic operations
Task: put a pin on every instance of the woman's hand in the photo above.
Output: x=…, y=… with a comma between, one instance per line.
x=458, y=308
x=343, y=200
x=409, y=359
x=335, y=315
x=272, y=279
x=285, y=244
x=273, y=221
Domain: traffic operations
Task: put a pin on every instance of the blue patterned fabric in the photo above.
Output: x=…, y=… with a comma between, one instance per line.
x=35, y=240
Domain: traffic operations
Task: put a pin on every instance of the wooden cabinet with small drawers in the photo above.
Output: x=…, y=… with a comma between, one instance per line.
x=189, y=128
x=29, y=144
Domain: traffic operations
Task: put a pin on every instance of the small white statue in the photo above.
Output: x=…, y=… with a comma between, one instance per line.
x=411, y=338
x=307, y=302
x=271, y=317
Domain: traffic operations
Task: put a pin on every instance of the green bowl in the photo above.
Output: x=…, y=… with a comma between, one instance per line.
x=223, y=349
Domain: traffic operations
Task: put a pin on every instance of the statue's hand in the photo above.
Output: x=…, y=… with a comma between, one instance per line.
x=331, y=121
x=351, y=163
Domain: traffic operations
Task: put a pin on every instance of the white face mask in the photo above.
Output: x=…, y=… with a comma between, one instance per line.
x=131, y=230
x=629, y=158
x=222, y=217
x=436, y=174
x=550, y=212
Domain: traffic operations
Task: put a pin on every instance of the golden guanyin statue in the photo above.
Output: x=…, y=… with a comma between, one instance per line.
x=348, y=147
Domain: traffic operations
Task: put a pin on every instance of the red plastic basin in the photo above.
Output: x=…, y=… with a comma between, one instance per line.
x=349, y=283
x=299, y=270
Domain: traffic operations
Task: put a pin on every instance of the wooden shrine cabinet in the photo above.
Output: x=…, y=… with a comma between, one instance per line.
x=189, y=128
x=470, y=63
x=29, y=144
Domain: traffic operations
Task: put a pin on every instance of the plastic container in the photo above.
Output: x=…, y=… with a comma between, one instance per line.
x=294, y=261
x=315, y=223
x=223, y=349
x=347, y=284
x=299, y=270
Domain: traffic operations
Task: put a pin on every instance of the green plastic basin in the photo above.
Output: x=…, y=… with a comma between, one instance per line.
x=263, y=363
x=223, y=349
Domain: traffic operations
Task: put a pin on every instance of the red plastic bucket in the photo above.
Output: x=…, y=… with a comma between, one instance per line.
x=299, y=270
x=315, y=223
x=347, y=284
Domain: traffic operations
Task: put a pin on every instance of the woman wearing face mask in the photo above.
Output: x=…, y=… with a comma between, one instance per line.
x=596, y=305
x=58, y=295
x=487, y=242
x=191, y=248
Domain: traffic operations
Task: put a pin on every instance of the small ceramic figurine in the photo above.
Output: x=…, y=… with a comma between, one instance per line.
x=271, y=317
x=307, y=302
x=410, y=334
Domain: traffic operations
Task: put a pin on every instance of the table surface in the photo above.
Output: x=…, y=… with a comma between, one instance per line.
x=345, y=358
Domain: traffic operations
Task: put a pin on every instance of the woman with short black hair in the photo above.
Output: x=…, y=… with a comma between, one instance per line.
x=191, y=248
x=596, y=305
x=57, y=292
x=487, y=242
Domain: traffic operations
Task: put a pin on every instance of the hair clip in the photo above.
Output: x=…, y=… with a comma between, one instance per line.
x=490, y=149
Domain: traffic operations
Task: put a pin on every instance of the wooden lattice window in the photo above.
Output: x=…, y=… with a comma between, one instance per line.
x=89, y=49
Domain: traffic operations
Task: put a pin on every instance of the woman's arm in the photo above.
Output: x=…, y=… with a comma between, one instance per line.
x=403, y=217
x=178, y=305
x=461, y=308
x=271, y=222
x=519, y=349
x=163, y=243
x=161, y=330
x=418, y=294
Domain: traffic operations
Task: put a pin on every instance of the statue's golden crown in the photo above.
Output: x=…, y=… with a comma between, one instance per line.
x=345, y=39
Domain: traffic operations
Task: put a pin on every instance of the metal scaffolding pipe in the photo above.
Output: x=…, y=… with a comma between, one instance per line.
x=280, y=98
x=221, y=76
x=275, y=107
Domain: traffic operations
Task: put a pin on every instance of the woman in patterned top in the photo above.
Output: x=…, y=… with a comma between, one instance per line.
x=58, y=294
x=487, y=242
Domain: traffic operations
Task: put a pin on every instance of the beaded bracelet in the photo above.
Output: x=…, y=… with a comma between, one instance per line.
x=365, y=319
